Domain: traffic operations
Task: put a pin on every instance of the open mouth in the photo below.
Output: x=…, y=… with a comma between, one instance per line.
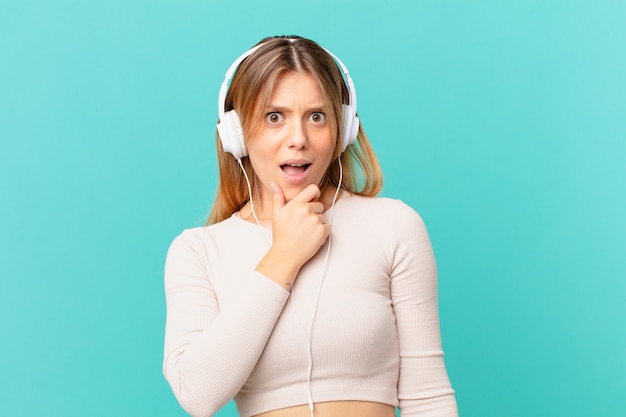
x=294, y=169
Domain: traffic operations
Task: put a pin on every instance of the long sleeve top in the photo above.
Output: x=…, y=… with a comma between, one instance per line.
x=231, y=332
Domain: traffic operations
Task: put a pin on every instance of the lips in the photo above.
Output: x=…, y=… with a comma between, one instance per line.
x=295, y=171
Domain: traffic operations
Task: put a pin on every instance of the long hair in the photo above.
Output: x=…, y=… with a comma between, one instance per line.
x=249, y=92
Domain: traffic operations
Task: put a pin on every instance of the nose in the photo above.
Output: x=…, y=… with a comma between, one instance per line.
x=297, y=136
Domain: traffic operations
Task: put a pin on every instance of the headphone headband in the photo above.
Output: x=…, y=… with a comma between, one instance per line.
x=229, y=75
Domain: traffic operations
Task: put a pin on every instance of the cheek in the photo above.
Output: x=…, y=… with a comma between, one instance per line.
x=330, y=150
x=260, y=164
x=326, y=143
x=260, y=151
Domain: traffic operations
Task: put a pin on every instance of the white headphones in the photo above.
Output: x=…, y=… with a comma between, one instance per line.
x=231, y=132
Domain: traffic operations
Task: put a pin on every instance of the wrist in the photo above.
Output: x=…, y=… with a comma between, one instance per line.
x=278, y=268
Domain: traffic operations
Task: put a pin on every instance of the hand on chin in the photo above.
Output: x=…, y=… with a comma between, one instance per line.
x=291, y=190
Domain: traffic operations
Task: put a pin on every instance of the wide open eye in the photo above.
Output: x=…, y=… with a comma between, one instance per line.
x=317, y=117
x=274, y=118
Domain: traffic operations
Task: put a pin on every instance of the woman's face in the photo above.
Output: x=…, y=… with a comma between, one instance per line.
x=294, y=144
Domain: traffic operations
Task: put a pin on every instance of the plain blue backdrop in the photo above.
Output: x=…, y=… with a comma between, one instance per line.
x=502, y=123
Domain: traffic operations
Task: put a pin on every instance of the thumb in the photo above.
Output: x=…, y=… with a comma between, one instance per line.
x=278, y=197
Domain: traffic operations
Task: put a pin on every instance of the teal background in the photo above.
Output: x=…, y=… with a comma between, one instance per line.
x=501, y=122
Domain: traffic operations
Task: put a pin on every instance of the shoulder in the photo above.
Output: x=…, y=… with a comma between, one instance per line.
x=201, y=238
x=387, y=221
x=395, y=210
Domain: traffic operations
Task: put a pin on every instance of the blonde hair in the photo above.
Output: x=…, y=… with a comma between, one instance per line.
x=249, y=93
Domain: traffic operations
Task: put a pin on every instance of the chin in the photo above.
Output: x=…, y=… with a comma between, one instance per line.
x=291, y=191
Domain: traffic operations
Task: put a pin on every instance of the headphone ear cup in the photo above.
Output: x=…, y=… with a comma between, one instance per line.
x=350, y=126
x=231, y=134
x=356, y=123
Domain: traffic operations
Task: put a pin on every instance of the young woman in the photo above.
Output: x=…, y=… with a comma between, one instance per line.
x=305, y=295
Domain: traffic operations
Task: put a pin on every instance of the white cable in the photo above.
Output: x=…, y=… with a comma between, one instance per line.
x=319, y=290
x=251, y=203
x=317, y=299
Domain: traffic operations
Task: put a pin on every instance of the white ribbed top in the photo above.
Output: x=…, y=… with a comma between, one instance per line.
x=230, y=332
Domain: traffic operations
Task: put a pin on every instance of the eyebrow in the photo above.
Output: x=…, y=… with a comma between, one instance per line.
x=285, y=109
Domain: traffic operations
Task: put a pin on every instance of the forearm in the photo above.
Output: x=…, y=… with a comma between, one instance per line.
x=207, y=367
x=441, y=406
